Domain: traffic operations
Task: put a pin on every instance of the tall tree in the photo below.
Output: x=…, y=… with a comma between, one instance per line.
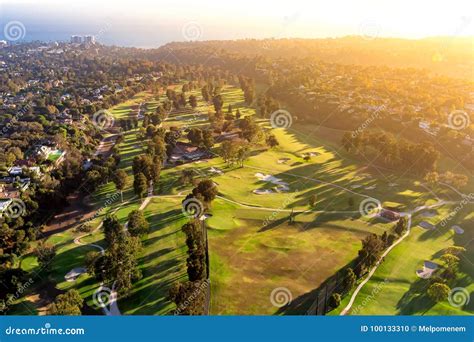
x=193, y=101
x=69, y=303
x=45, y=254
x=120, y=181
x=137, y=223
x=196, y=261
x=140, y=185
x=207, y=189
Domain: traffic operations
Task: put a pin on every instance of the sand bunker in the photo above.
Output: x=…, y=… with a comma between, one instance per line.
x=262, y=191
x=73, y=274
x=281, y=186
x=309, y=154
x=457, y=229
x=428, y=269
x=426, y=225
x=215, y=170
x=283, y=160
x=428, y=213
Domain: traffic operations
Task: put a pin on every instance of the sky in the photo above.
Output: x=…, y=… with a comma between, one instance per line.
x=151, y=23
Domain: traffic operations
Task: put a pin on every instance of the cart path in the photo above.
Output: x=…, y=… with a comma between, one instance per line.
x=407, y=233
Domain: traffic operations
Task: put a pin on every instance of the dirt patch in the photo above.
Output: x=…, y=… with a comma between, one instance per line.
x=105, y=147
x=43, y=297
x=255, y=263
x=75, y=213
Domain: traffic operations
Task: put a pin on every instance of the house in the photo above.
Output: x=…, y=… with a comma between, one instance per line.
x=15, y=171
x=4, y=205
x=65, y=97
x=389, y=215
x=426, y=225
x=87, y=164
x=184, y=152
x=9, y=191
x=29, y=162
x=64, y=117
x=235, y=135
x=426, y=127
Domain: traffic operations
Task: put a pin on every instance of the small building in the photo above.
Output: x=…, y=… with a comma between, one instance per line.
x=9, y=191
x=389, y=215
x=15, y=171
x=184, y=152
x=4, y=205
x=76, y=39
x=89, y=39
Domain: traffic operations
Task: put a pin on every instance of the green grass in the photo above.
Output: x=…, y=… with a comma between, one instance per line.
x=163, y=260
x=253, y=251
x=55, y=156
x=395, y=289
x=260, y=251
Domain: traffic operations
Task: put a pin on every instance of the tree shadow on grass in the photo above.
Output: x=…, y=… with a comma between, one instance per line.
x=154, y=296
x=161, y=220
x=433, y=233
x=416, y=300
x=155, y=254
x=150, y=241
x=315, y=302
